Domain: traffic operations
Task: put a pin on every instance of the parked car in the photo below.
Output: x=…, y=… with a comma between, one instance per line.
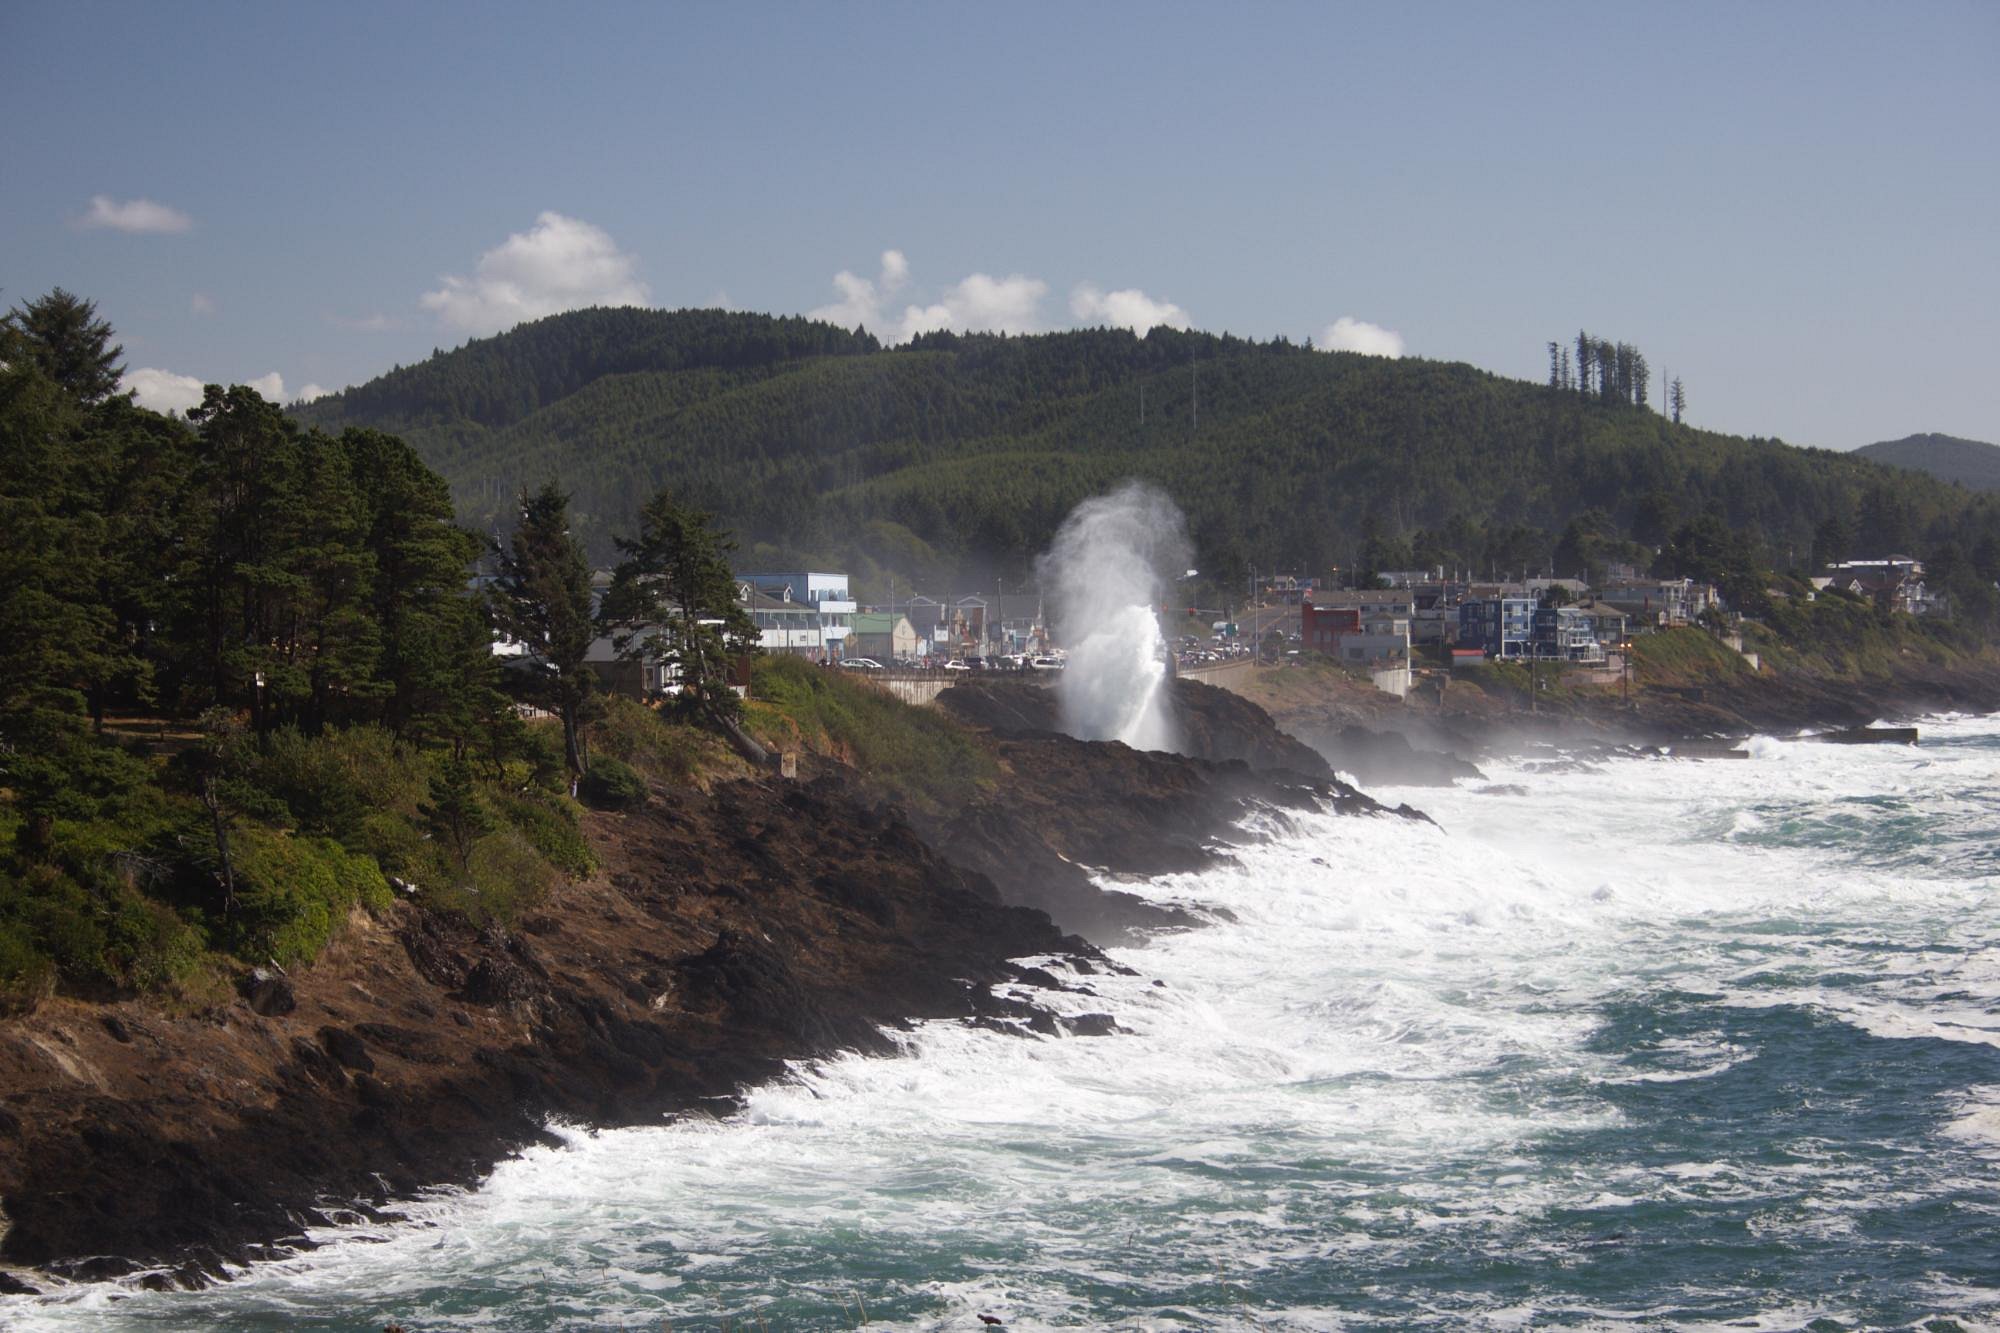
x=955, y=665
x=861, y=664
x=1047, y=664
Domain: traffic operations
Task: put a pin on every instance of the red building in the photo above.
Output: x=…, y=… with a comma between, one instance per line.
x=1320, y=628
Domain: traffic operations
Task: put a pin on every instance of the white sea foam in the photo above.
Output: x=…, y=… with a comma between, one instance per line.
x=1367, y=1067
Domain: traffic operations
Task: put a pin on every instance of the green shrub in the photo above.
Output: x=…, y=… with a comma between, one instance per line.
x=292, y=893
x=612, y=784
x=326, y=785
x=549, y=824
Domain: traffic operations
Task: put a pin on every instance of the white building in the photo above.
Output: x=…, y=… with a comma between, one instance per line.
x=808, y=613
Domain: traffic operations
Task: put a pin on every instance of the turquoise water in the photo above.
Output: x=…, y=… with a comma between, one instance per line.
x=1667, y=1043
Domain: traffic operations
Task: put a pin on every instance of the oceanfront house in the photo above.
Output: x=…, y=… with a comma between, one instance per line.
x=1500, y=626
x=1566, y=634
x=785, y=625
x=1522, y=629
x=884, y=636
x=636, y=678
x=1369, y=629
x=1897, y=580
x=1612, y=625
x=805, y=613
x=1659, y=603
x=1434, y=612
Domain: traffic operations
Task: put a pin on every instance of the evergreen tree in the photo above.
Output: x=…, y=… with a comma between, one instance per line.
x=1676, y=399
x=71, y=344
x=545, y=604
x=673, y=598
x=455, y=814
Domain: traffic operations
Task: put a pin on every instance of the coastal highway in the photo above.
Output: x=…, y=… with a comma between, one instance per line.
x=1258, y=621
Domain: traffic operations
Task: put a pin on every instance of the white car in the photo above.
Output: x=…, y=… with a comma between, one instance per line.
x=861, y=664
x=956, y=665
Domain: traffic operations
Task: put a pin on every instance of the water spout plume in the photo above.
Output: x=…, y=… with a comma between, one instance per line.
x=1104, y=576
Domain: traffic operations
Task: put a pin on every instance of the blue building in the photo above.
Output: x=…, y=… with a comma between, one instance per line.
x=1503, y=626
x=1519, y=628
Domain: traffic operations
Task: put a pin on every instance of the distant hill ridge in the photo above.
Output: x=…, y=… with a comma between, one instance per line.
x=1970, y=463
x=958, y=454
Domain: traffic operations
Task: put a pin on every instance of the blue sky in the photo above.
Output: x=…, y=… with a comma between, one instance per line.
x=1793, y=207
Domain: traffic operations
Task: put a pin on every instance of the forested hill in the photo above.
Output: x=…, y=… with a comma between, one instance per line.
x=1967, y=462
x=958, y=455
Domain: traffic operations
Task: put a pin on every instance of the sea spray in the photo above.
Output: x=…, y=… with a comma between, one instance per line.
x=1103, y=574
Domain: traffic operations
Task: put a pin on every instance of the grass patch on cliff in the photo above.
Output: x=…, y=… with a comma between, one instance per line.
x=924, y=757
x=660, y=748
x=1837, y=637
x=1685, y=656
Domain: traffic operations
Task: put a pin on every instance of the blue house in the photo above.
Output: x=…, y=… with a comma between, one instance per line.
x=1503, y=626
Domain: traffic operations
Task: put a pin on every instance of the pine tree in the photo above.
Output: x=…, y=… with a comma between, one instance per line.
x=1677, y=399
x=673, y=598
x=545, y=603
x=71, y=345
x=455, y=814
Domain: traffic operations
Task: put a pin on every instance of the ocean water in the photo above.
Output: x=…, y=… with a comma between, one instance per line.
x=1641, y=1041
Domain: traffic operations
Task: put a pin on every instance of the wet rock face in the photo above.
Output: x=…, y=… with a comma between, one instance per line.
x=1066, y=804
x=728, y=933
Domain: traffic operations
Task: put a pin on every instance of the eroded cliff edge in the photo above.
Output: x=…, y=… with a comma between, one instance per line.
x=727, y=932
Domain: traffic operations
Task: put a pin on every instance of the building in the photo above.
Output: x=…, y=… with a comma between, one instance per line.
x=1017, y=623
x=882, y=635
x=806, y=613
x=1566, y=634
x=1610, y=623
x=1659, y=603
x=1365, y=628
x=785, y=626
x=1500, y=626
x=1521, y=628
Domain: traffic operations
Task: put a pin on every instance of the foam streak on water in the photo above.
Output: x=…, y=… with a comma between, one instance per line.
x=1700, y=1045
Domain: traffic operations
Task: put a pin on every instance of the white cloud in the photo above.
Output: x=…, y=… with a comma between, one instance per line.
x=1348, y=334
x=1127, y=308
x=861, y=300
x=562, y=263
x=980, y=303
x=162, y=390
x=134, y=215
x=201, y=303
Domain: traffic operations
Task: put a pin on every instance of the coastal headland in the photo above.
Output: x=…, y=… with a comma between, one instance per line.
x=731, y=927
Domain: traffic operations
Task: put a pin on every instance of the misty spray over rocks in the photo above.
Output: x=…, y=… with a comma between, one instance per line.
x=1104, y=574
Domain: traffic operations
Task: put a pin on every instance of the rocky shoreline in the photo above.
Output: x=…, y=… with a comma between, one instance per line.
x=727, y=933
x=1440, y=737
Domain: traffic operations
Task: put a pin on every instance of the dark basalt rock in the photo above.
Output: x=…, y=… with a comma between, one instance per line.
x=269, y=994
x=498, y=980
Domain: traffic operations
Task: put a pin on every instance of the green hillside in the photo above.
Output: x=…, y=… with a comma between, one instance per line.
x=1968, y=462
x=956, y=456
